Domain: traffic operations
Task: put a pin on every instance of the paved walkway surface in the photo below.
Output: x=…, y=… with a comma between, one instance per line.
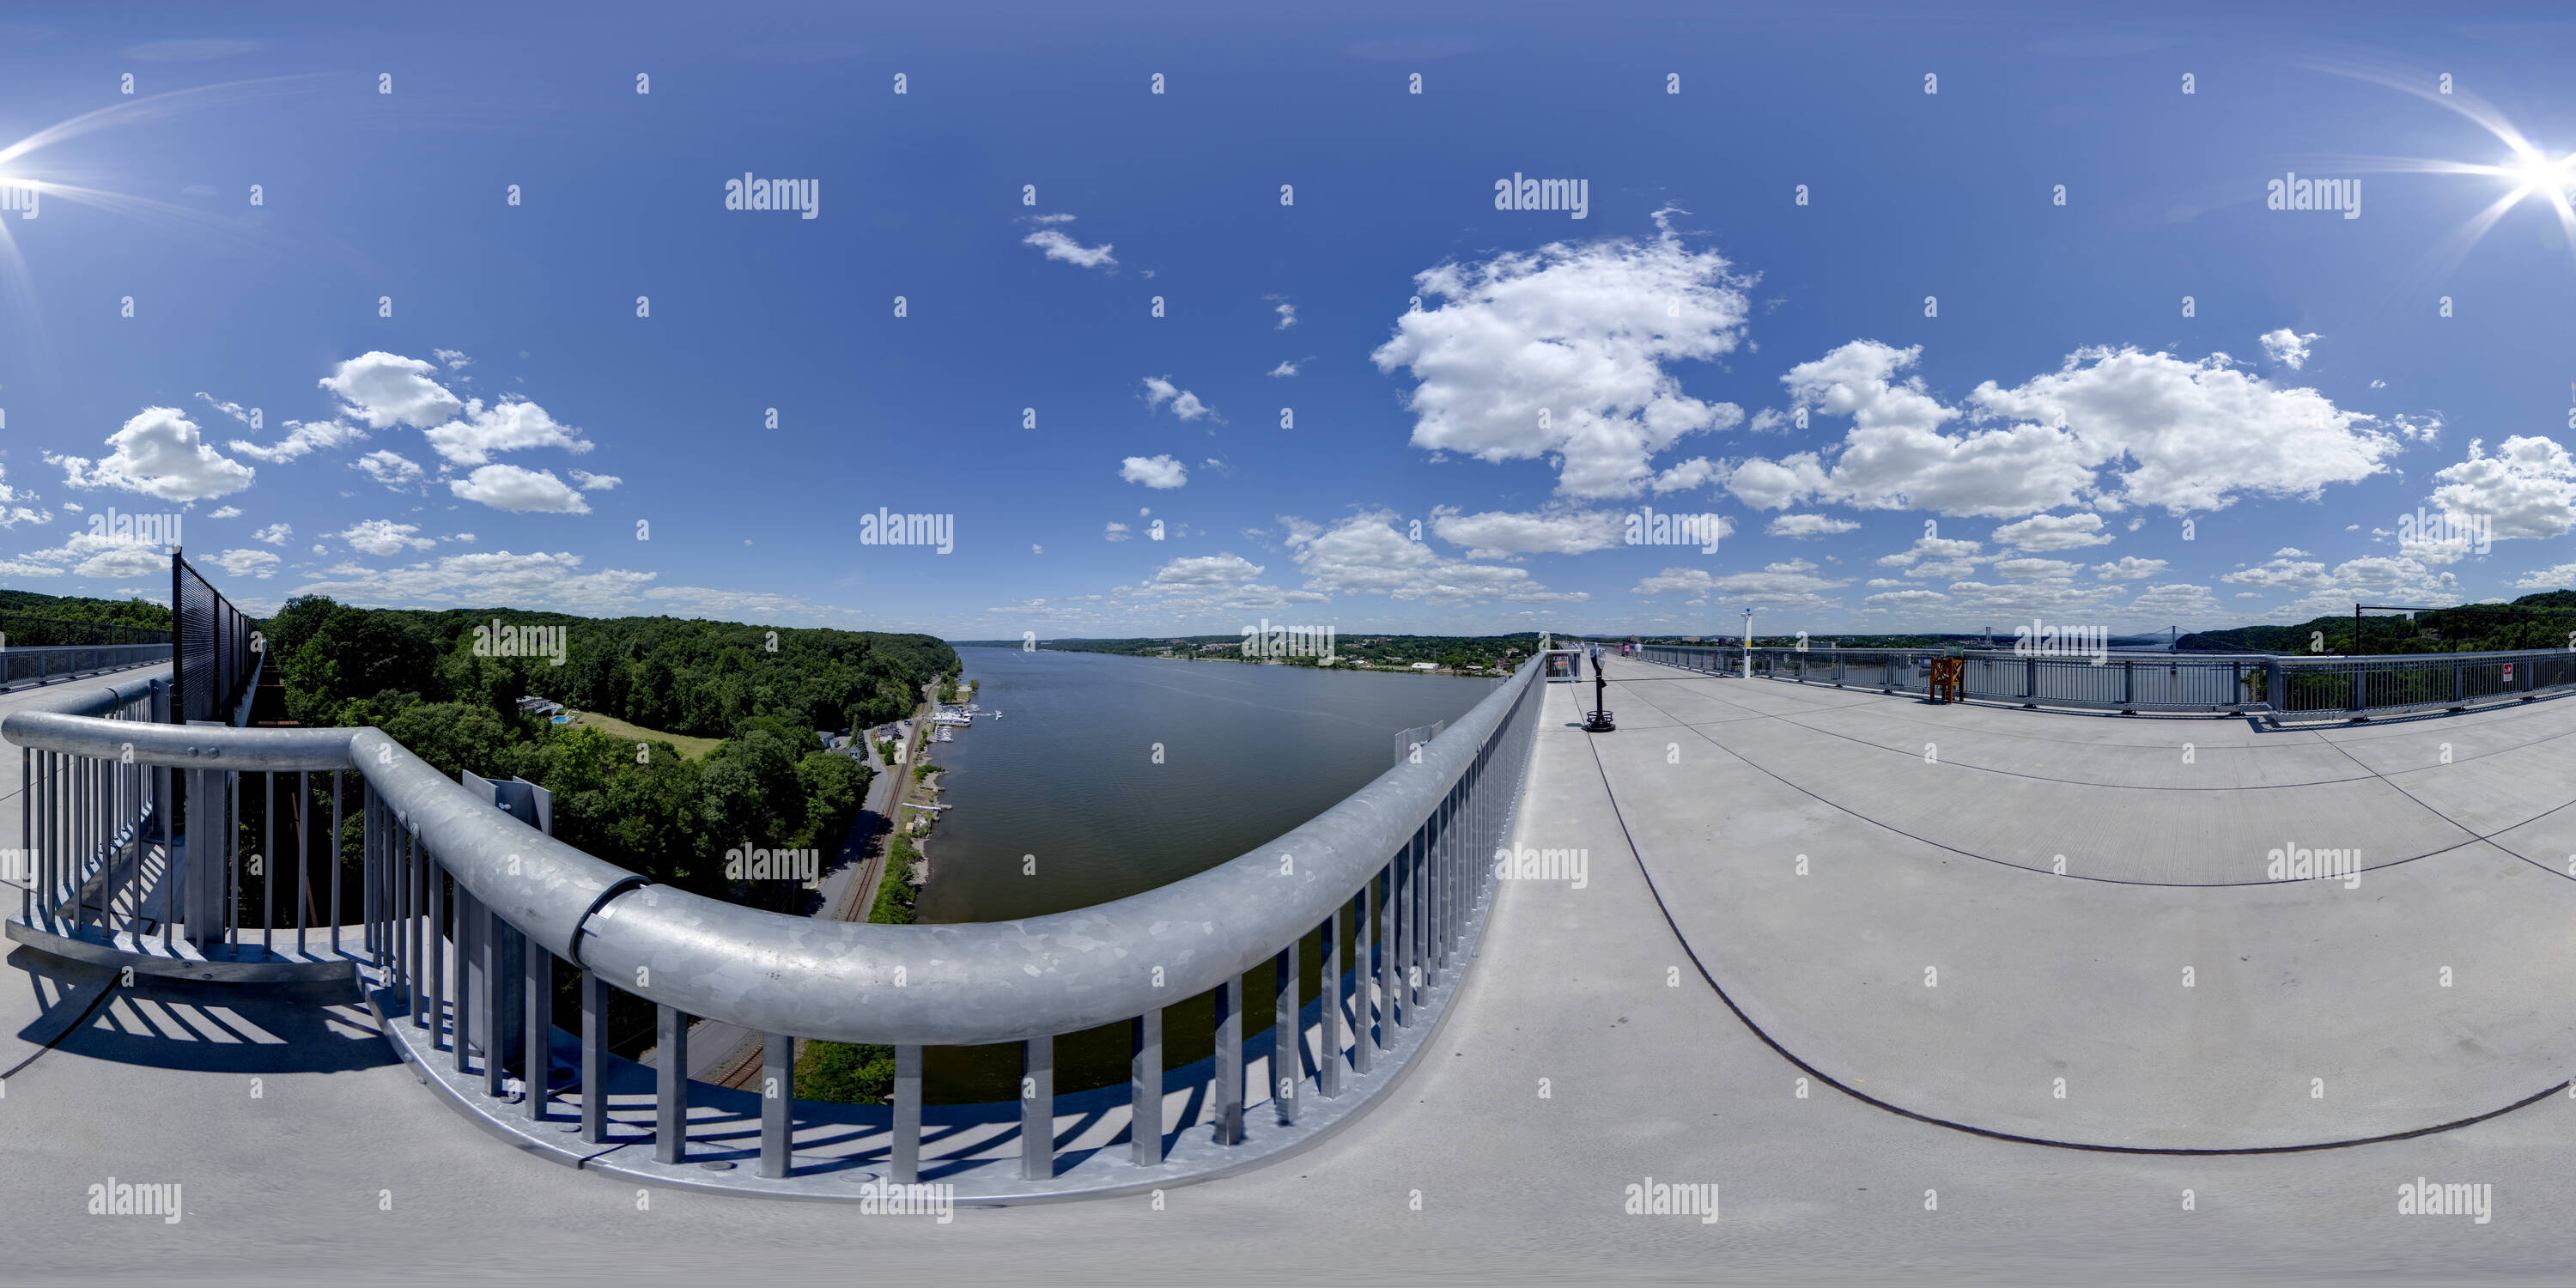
x=1480, y=1172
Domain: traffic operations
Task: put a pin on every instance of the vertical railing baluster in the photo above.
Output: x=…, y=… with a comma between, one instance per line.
x=367, y=940
x=903, y=1157
x=416, y=877
x=267, y=863
x=670, y=1084
x=594, y=1058
x=1225, y=1102
x=232, y=858
x=465, y=931
x=1370, y=1033
x=1145, y=1088
x=167, y=808
x=777, y=1105
x=30, y=855
x=1417, y=904
x=1328, y=1043
x=1037, y=1109
x=540, y=1009
x=335, y=864
x=1286, y=1036
x=1450, y=834
x=438, y=971
x=303, y=894
x=487, y=997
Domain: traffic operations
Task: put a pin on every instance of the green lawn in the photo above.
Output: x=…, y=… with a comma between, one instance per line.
x=691, y=748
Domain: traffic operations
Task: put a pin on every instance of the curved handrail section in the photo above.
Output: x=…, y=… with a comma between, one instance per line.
x=936, y=985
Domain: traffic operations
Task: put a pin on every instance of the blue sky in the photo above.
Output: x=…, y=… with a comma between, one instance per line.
x=2035, y=449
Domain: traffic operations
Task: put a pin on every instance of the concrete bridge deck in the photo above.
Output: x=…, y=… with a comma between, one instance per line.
x=1648, y=1070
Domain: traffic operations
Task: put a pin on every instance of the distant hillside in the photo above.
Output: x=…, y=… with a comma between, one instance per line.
x=346, y=665
x=65, y=608
x=2543, y=620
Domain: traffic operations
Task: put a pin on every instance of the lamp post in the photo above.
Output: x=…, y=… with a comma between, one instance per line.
x=1748, y=643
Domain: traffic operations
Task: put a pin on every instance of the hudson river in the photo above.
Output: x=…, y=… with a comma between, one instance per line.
x=1066, y=781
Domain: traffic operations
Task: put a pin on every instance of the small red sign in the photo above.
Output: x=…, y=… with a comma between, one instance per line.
x=2508, y=672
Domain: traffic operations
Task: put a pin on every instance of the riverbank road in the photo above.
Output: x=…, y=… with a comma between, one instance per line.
x=1919, y=1053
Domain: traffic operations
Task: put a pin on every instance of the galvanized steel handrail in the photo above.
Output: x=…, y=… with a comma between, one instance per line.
x=2286, y=686
x=1404, y=855
x=933, y=985
x=45, y=663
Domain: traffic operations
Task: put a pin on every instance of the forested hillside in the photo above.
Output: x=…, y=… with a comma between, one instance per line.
x=62, y=608
x=2543, y=620
x=640, y=805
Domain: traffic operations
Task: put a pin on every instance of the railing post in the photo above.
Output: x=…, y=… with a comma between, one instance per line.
x=1225, y=1101
x=367, y=841
x=777, y=1105
x=232, y=857
x=268, y=865
x=28, y=836
x=1287, y=1065
x=670, y=1084
x=437, y=973
x=1436, y=917
x=1328, y=1044
x=1037, y=1109
x=903, y=1160
x=416, y=865
x=1418, y=905
x=1376, y=963
x=539, y=1068
x=195, y=907
x=335, y=864
x=594, y=1058
x=1145, y=1088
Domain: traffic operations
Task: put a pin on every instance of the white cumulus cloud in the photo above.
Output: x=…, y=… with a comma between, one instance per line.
x=1059, y=246
x=509, y=487
x=2128, y=568
x=1154, y=471
x=2288, y=347
x=508, y=426
x=158, y=453
x=2529, y=487
x=2110, y=428
x=1186, y=405
x=385, y=537
x=303, y=437
x=390, y=469
x=259, y=565
x=1499, y=534
x=1562, y=352
x=2042, y=532
x=387, y=389
x=1802, y=526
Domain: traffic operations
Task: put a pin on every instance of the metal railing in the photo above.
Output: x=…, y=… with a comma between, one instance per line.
x=442, y=881
x=47, y=665
x=214, y=661
x=2287, y=686
x=2313, y=688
